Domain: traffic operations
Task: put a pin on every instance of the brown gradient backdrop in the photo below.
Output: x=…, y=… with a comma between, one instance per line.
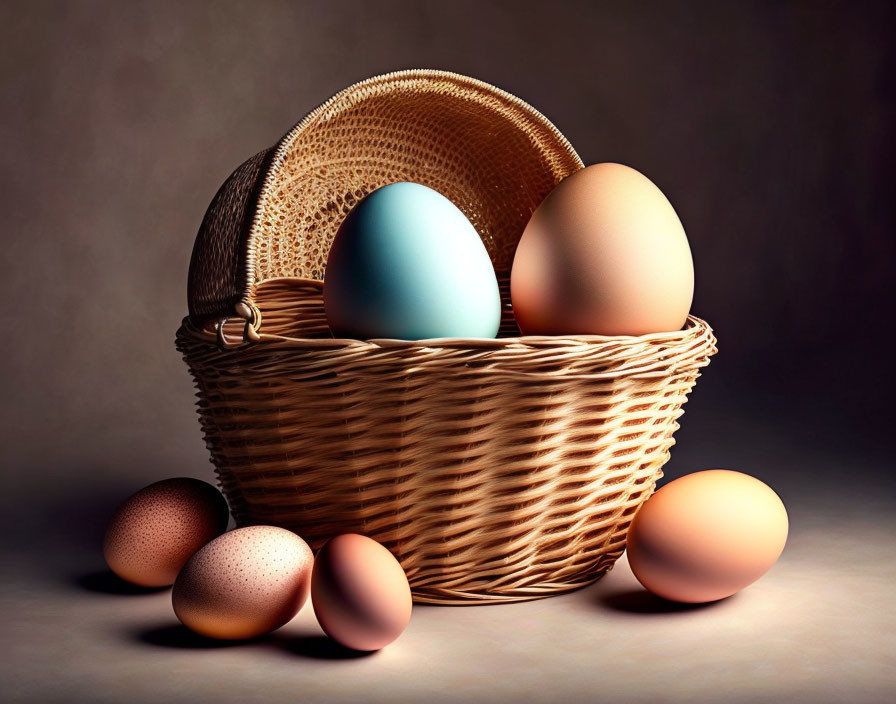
x=768, y=125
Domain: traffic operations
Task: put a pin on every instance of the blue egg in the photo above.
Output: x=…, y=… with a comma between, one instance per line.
x=407, y=264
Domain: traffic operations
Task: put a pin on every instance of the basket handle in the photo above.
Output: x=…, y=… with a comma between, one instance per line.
x=217, y=278
x=223, y=267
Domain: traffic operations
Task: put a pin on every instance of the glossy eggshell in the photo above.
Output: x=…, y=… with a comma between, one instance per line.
x=706, y=536
x=156, y=531
x=603, y=254
x=244, y=584
x=407, y=264
x=360, y=593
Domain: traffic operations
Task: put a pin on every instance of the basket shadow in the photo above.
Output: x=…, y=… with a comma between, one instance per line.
x=641, y=601
x=107, y=582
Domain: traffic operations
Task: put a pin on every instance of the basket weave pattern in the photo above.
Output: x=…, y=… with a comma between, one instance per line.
x=494, y=470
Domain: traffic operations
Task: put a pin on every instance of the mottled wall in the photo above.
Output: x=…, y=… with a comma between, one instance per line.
x=769, y=126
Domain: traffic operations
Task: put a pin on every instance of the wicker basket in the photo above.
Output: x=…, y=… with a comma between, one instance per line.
x=495, y=470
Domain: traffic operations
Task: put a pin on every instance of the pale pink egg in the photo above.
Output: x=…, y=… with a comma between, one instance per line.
x=360, y=593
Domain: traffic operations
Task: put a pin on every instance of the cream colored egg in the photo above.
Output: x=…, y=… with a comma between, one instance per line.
x=248, y=582
x=157, y=530
x=706, y=536
x=603, y=254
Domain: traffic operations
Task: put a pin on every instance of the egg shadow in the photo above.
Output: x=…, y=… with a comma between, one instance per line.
x=179, y=637
x=107, y=582
x=321, y=647
x=641, y=601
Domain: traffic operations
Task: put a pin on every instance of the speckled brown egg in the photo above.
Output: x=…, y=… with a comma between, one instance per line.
x=157, y=530
x=244, y=584
x=360, y=593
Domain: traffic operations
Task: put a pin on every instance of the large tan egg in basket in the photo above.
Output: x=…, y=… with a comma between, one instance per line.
x=494, y=470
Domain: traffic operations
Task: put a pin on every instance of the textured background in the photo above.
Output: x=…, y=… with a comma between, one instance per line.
x=770, y=127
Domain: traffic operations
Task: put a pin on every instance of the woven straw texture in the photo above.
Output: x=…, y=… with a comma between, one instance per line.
x=494, y=470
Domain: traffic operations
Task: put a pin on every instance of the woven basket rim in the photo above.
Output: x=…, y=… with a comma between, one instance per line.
x=690, y=347
x=694, y=329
